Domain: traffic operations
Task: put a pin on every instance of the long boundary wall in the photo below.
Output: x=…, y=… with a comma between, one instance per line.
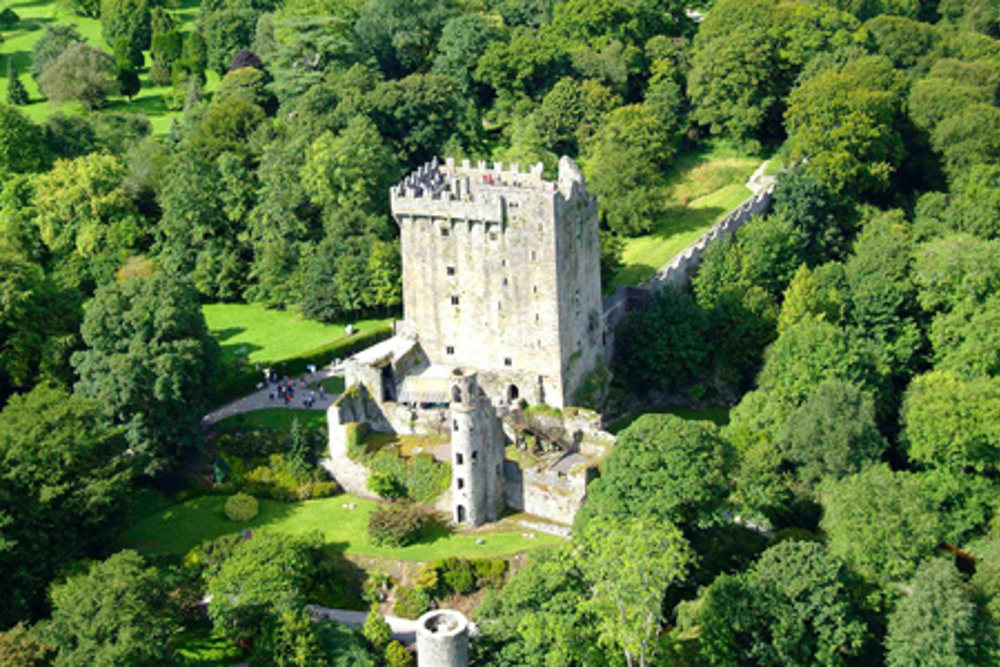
x=679, y=270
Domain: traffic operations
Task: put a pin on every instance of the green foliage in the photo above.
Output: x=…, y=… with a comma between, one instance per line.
x=385, y=485
x=457, y=575
x=411, y=602
x=396, y=655
x=82, y=74
x=116, y=613
x=21, y=646
x=401, y=35
x=17, y=94
x=294, y=642
x=21, y=146
x=937, y=622
x=948, y=423
x=420, y=478
x=376, y=630
x=284, y=480
x=881, y=523
x=53, y=42
x=149, y=361
x=127, y=20
x=665, y=469
x=65, y=476
x=665, y=345
x=260, y=580
x=241, y=507
x=795, y=606
x=845, y=120
x=629, y=564
x=395, y=524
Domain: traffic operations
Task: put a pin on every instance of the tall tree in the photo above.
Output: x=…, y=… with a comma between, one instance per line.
x=150, y=362
x=17, y=94
x=117, y=613
x=81, y=73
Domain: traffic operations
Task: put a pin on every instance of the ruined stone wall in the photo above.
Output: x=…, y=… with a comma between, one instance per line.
x=547, y=493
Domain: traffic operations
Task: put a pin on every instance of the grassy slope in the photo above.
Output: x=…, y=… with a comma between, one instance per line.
x=273, y=335
x=703, y=186
x=37, y=14
x=179, y=528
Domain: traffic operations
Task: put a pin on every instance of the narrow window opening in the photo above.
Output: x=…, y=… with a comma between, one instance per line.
x=475, y=456
x=461, y=483
x=454, y=299
x=508, y=361
x=451, y=270
x=459, y=459
x=454, y=425
x=449, y=350
x=445, y=231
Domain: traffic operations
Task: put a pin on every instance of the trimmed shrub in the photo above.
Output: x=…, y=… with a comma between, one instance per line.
x=8, y=17
x=376, y=630
x=386, y=486
x=280, y=480
x=242, y=507
x=428, y=579
x=396, y=524
x=411, y=603
x=397, y=655
x=489, y=572
x=457, y=575
x=422, y=477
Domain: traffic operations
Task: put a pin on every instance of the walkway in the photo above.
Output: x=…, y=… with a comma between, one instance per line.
x=260, y=399
x=403, y=629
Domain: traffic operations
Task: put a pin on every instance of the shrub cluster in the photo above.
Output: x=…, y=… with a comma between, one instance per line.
x=242, y=507
x=460, y=576
x=280, y=480
x=411, y=602
x=396, y=524
x=420, y=478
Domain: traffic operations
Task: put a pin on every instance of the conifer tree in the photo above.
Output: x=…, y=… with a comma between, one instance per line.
x=17, y=94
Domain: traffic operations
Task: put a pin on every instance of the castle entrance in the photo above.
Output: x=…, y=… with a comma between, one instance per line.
x=513, y=393
x=460, y=514
x=388, y=383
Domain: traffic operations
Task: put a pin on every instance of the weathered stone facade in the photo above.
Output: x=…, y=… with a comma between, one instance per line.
x=501, y=272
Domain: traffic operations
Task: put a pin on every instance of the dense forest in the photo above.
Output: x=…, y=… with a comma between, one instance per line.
x=845, y=514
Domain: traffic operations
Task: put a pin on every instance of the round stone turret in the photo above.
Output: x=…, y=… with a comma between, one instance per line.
x=442, y=639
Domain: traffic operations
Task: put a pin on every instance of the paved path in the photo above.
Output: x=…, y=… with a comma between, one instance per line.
x=260, y=400
x=403, y=629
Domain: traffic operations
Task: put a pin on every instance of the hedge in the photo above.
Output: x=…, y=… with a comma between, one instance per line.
x=238, y=382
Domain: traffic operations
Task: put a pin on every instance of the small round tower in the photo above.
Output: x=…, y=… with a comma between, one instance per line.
x=468, y=484
x=442, y=639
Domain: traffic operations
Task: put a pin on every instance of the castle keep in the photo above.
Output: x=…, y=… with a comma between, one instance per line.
x=501, y=272
x=501, y=309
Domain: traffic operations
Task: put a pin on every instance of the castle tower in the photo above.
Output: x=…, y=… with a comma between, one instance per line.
x=477, y=449
x=442, y=639
x=502, y=273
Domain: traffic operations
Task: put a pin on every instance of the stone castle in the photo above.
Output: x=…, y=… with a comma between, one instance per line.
x=502, y=310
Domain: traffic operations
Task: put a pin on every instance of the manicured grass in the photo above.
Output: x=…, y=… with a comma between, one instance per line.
x=267, y=336
x=181, y=527
x=36, y=15
x=703, y=186
x=331, y=385
x=719, y=416
x=274, y=419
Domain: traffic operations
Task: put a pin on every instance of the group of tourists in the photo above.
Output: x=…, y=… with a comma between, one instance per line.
x=285, y=388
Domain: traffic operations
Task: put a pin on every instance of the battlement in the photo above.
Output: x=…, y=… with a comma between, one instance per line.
x=480, y=192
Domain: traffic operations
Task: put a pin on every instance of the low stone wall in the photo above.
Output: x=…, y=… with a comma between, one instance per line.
x=548, y=494
x=679, y=271
x=350, y=475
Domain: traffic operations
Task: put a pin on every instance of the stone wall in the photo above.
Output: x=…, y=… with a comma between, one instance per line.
x=545, y=493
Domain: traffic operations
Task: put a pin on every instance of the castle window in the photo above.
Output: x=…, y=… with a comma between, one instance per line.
x=499, y=305
x=449, y=350
x=454, y=425
x=494, y=236
x=504, y=282
x=475, y=456
x=450, y=270
x=503, y=262
x=534, y=289
x=459, y=460
x=508, y=361
x=534, y=255
x=454, y=299
x=460, y=482
x=536, y=317
x=445, y=231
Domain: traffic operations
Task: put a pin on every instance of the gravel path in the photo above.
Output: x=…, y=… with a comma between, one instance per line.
x=259, y=400
x=403, y=629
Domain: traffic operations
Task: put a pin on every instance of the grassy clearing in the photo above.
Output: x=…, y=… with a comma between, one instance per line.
x=274, y=419
x=719, y=416
x=703, y=186
x=203, y=648
x=268, y=336
x=36, y=15
x=181, y=527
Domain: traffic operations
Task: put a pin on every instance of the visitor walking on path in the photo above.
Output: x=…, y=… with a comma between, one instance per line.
x=264, y=398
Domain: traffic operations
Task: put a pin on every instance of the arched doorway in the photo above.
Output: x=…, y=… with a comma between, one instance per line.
x=513, y=393
x=460, y=514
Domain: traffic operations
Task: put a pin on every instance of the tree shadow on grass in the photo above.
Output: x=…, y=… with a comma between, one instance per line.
x=30, y=3
x=339, y=581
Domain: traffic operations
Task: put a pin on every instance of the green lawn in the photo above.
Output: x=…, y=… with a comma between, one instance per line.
x=719, y=416
x=19, y=41
x=179, y=528
x=703, y=186
x=268, y=336
x=274, y=419
x=201, y=647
